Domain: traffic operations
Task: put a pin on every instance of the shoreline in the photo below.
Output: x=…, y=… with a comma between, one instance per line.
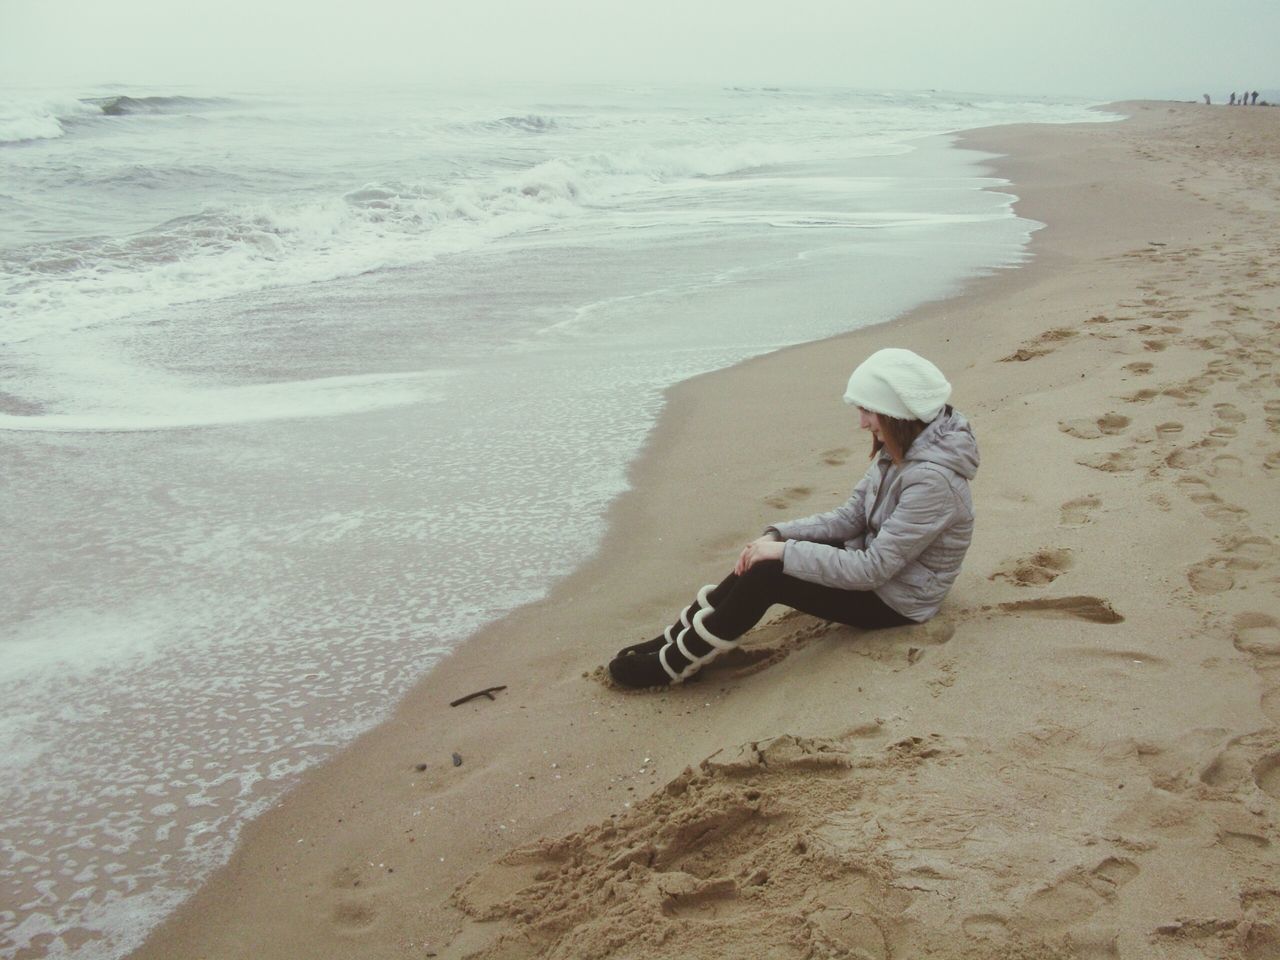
x=560, y=750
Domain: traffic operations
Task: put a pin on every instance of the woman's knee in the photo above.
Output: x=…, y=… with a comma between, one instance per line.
x=763, y=571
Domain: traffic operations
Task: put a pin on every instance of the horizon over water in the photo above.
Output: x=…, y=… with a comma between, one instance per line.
x=299, y=389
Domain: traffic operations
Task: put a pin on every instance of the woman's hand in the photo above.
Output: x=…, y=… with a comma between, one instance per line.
x=762, y=548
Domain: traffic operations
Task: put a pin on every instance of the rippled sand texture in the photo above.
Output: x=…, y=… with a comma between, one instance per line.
x=1080, y=757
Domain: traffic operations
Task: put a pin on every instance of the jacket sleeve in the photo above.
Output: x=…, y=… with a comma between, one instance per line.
x=847, y=521
x=926, y=506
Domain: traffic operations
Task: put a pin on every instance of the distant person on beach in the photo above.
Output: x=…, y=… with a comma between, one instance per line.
x=1253, y=99
x=1206, y=99
x=886, y=558
x=1232, y=101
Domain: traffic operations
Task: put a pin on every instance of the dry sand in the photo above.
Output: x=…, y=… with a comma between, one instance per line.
x=1079, y=757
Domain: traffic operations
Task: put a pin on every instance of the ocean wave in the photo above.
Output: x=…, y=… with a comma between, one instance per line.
x=70, y=284
x=41, y=119
x=47, y=118
x=103, y=403
x=534, y=123
x=122, y=105
x=530, y=123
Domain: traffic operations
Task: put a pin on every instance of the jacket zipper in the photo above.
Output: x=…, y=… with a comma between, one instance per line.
x=884, y=476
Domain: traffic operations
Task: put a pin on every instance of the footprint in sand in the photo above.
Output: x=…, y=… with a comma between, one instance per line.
x=1025, y=353
x=1270, y=702
x=1225, y=513
x=1184, y=459
x=1109, y=424
x=1193, y=389
x=1257, y=634
x=1041, y=345
x=1266, y=774
x=1224, y=370
x=1141, y=396
x=847, y=933
x=1225, y=465
x=1090, y=943
x=907, y=643
x=1228, y=768
x=1263, y=386
x=1090, y=609
x=1040, y=568
x=1116, y=871
x=1261, y=901
x=1139, y=367
x=1248, y=552
x=1245, y=761
x=836, y=457
x=1226, y=415
x=1078, y=512
x=1175, y=767
x=1211, y=576
x=1243, y=842
x=785, y=498
x=1272, y=460
x=1168, y=429
x=985, y=926
x=1122, y=461
x=1079, y=894
x=1272, y=410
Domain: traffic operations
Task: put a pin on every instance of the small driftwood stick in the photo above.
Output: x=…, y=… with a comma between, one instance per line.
x=486, y=692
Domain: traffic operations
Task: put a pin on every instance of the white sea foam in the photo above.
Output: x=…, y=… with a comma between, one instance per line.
x=78, y=642
x=55, y=288
x=110, y=405
x=40, y=118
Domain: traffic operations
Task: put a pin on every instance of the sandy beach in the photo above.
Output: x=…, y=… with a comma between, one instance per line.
x=1079, y=757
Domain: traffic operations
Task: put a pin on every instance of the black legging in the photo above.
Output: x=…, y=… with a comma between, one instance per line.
x=739, y=602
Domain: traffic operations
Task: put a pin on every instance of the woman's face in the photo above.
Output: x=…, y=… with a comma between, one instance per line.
x=870, y=421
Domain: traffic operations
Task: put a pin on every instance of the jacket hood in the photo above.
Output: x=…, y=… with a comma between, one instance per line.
x=949, y=442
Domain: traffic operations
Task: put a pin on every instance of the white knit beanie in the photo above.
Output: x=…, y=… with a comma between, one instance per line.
x=898, y=383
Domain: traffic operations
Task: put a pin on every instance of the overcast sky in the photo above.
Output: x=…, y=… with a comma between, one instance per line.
x=1111, y=50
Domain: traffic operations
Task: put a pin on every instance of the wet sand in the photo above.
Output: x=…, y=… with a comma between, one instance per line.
x=1079, y=757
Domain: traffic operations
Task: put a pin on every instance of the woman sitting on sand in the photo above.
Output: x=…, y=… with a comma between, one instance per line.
x=886, y=558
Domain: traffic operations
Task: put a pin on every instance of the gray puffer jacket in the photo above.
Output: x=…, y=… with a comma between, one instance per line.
x=904, y=531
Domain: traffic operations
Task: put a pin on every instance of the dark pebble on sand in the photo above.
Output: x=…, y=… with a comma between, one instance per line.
x=457, y=759
x=420, y=767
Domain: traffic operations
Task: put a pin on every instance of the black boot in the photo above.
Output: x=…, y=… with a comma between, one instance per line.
x=669, y=635
x=639, y=670
x=693, y=647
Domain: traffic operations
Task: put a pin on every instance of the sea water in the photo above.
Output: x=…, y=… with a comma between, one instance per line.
x=298, y=389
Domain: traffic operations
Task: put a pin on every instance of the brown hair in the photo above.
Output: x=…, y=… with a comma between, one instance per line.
x=898, y=436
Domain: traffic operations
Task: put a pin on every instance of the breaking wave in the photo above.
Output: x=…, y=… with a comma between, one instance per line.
x=41, y=119
x=47, y=118
x=231, y=250
x=530, y=123
x=123, y=105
